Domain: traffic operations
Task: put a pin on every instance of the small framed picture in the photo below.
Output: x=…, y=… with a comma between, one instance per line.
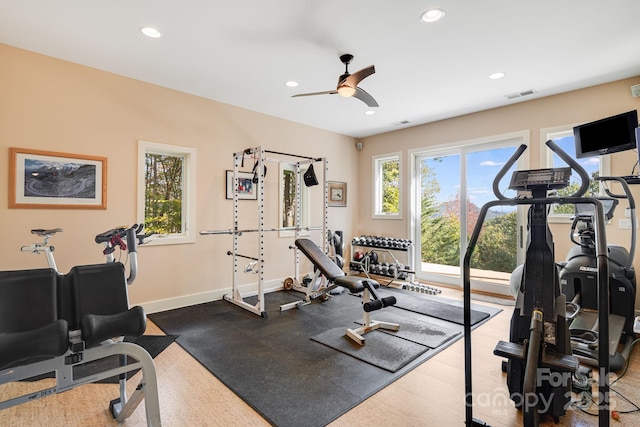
x=246, y=189
x=337, y=193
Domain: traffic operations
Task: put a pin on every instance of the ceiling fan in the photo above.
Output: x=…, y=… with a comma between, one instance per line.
x=348, y=83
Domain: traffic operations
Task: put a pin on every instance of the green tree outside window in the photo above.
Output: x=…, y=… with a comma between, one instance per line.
x=164, y=179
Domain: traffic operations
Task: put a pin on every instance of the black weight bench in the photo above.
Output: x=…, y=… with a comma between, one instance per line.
x=371, y=301
x=53, y=323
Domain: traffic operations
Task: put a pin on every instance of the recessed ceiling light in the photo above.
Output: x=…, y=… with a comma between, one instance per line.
x=291, y=83
x=496, y=76
x=432, y=15
x=150, y=32
x=370, y=112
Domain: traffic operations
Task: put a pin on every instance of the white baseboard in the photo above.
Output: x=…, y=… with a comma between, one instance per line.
x=203, y=297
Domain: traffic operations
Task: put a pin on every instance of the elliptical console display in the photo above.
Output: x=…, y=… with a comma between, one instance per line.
x=544, y=179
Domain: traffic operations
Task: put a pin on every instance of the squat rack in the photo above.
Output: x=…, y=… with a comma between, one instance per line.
x=259, y=155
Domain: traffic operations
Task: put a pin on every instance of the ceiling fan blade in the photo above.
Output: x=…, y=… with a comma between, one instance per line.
x=365, y=97
x=358, y=76
x=326, y=92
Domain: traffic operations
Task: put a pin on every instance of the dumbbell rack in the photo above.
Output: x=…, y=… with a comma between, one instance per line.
x=385, y=247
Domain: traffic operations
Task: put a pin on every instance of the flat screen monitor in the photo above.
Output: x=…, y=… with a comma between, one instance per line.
x=606, y=136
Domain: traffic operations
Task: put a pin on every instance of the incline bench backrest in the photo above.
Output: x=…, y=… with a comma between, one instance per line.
x=329, y=269
x=28, y=299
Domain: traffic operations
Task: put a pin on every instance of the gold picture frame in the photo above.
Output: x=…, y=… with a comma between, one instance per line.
x=41, y=179
x=337, y=193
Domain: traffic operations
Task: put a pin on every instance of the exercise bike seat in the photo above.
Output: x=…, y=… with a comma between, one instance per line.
x=42, y=232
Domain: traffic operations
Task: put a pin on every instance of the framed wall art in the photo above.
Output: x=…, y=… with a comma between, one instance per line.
x=337, y=193
x=246, y=188
x=50, y=180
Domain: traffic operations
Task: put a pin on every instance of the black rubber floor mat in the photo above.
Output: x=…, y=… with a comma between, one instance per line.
x=431, y=307
x=272, y=363
x=385, y=351
x=413, y=329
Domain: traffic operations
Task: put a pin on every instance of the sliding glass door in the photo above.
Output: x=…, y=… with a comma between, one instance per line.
x=450, y=187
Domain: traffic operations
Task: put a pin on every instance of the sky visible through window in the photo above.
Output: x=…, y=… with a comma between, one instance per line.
x=483, y=166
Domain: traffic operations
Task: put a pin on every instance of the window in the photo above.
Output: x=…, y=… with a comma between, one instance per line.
x=166, y=192
x=288, y=200
x=387, y=187
x=450, y=184
x=595, y=166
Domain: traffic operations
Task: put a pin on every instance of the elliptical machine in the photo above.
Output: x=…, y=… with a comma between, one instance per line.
x=578, y=282
x=540, y=361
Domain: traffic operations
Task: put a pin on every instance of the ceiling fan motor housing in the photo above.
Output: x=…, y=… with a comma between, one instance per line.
x=346, y=58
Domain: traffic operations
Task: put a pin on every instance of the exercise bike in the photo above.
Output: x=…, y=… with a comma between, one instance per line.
x=540, y=362
x=77, y=318
x=579, y=284
x=126, y=239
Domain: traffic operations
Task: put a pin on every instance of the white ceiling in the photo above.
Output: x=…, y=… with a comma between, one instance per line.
x=241, y=52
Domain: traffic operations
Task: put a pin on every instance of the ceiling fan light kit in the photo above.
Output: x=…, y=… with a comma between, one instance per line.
x=348, y=83
x=346, y=91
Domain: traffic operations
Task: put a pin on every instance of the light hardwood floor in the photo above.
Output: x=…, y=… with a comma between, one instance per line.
x=430, y=395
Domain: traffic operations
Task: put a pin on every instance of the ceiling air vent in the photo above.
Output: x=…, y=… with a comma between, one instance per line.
x=520, y=94
x=400, y=123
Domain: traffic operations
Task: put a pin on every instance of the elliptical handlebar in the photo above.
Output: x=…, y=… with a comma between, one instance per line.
x=632, y=212
x=512, y=161
x=584, y=176
x=625, y=187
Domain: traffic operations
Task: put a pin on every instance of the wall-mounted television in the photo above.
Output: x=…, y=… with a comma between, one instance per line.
x=606, y=136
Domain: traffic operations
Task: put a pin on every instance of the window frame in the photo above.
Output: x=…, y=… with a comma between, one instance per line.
x=546, y=161
x=377, y=197
x=188, y=234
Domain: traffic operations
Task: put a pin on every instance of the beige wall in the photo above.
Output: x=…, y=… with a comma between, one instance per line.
x=54, y=105
x=565, y=109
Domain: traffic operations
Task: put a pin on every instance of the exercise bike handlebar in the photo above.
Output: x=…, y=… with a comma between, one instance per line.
x=132, y=248
x=113, y=237
x=119, y=232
